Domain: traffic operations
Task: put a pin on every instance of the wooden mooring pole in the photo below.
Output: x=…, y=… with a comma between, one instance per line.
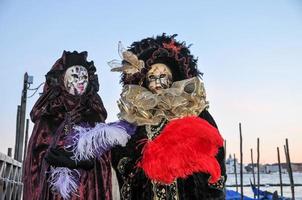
x=26, y=139
x=241, y=163
x=235, y=172
x=17, y=138
x=258, y=168
x=280, y=172
x=290, y=171
x=253, y=170
x=9, y=152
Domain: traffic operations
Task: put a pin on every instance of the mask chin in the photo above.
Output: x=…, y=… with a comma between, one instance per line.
x=76, y=80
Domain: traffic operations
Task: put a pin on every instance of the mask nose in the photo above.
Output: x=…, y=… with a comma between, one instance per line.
x=157, y=81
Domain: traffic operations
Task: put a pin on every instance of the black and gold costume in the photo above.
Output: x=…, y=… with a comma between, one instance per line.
x=151, y=113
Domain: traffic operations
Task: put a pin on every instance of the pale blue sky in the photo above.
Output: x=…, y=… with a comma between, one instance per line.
x=249, y=51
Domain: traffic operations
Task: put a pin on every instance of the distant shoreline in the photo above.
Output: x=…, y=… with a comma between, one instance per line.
x=265, y=185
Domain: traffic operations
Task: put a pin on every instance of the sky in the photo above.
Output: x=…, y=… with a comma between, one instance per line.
x=249, y=52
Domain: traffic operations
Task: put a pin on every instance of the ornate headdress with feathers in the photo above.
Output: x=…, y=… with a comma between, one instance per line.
x=138, y=59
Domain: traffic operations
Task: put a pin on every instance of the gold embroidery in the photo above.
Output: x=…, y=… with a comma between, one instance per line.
x=66, y=129
x=153, y=131
x=122, y=164
x=126, y=187
x=165, y=192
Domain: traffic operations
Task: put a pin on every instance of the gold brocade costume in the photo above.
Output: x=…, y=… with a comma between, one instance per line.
x=184, y=98
x=142, y=107
x=161, y=83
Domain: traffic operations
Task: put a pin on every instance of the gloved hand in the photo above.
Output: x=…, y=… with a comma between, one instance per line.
x=62, y=158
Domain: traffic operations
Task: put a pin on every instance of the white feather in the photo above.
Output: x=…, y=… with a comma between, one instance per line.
x=63, y=181
x=90, y=143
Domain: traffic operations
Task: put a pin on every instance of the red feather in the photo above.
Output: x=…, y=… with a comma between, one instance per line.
x=183, y=147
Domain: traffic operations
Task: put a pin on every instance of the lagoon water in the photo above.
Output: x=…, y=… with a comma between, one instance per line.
x=268, y=179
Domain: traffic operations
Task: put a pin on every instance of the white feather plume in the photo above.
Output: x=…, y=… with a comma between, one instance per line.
x=63, y=180
x=88, y=143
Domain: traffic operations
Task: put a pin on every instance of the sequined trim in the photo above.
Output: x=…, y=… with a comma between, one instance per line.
x=122, y=164
x=165, y=192
x=153, y=131
x=219, y=185
x=126, y=189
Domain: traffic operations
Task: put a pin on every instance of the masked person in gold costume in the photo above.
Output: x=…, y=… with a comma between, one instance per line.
x=177, y=151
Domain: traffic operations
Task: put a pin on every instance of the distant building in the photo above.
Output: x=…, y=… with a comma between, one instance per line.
x=274, y=168
x=249, y=168
x=296, y=167
x=230, y=162
x=263, y=168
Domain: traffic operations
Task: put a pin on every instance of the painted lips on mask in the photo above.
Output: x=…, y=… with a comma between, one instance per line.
x=80, y=87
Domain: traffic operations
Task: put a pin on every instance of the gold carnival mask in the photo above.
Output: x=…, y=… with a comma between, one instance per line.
x=159, y=77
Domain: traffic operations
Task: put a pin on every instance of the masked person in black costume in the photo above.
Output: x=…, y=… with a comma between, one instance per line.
x=177, y=151
x=69, y=98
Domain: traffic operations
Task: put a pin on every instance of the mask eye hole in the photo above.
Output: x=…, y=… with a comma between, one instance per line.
x=162, y=76
x=151, y=77
x=74, y=75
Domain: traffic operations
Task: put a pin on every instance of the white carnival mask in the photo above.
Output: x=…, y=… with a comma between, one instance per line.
x=76, y=80
x=159, y=77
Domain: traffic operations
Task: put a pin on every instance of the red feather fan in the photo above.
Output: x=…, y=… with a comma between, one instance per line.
x=184, y=146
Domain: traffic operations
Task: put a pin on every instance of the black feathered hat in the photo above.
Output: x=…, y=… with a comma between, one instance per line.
x=56, y=101
x=162, y=49
x=56, y=75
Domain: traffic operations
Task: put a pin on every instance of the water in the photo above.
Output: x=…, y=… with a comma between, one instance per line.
x=267, y=179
